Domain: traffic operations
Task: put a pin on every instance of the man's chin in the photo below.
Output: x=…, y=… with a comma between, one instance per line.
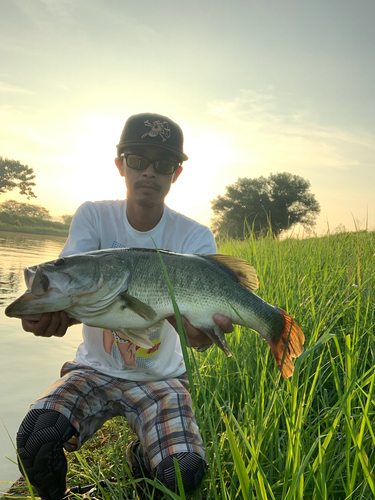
x=147, y=202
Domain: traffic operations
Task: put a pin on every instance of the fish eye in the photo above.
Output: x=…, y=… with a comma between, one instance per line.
x=59, y=262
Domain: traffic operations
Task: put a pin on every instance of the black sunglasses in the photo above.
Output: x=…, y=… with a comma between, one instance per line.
x=165, y=167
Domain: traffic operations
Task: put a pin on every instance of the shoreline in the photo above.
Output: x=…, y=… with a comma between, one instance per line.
x=19, y=487
x=40, y=231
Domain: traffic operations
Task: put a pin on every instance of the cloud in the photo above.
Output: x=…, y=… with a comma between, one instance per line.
x=42, y=11
x=276, y=133
x=4, y=87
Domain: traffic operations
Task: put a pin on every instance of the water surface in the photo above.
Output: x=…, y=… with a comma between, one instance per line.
x=28, y=364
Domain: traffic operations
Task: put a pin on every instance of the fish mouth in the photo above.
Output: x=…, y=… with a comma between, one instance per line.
x=31, y=303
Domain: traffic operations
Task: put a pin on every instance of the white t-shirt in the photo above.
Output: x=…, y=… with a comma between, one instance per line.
x=102, y=225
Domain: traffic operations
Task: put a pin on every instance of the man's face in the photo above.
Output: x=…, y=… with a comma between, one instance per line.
x=147, y=187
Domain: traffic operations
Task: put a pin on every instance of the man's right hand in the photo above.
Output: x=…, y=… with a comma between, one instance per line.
x=50, y=324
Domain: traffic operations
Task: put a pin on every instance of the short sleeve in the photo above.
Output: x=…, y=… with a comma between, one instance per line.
x=201, y=242
x=83, y=234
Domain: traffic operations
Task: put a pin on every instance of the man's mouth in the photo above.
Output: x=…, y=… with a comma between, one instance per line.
x=148, y=185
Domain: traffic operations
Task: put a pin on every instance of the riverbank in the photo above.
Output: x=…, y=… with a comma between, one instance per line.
x=36, y=230
x=18, y=489
x=16, y=223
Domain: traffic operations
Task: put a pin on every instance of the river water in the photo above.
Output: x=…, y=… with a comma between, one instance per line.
x=28, y=364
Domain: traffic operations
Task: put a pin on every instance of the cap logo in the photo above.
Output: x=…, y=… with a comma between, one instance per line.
x=158, y=128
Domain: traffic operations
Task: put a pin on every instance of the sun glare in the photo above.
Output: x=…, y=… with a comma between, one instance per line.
x=204, y=175
x=90, y=172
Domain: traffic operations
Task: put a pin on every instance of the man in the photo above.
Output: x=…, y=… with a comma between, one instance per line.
x=110, y=375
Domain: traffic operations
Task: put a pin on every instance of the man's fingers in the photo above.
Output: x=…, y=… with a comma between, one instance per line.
x=224, y=322
x=39, y=327
x=197, y=337
x=73, y=321
x=59, y=324
x=50, y=324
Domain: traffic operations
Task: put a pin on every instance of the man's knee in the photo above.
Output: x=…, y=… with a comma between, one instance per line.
x=40, y=435
x=192, y=468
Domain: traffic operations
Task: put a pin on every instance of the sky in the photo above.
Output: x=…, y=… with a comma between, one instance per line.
x=258, y=87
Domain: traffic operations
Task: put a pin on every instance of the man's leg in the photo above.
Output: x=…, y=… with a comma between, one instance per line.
x=77, y=405
x=166, y=425
x=40, y=451
x=192, y=467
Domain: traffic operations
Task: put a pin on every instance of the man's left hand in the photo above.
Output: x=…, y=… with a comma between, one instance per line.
x=198, y=338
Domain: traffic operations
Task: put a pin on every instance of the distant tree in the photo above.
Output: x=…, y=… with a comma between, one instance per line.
x=67, y=219
x=14, y=207
x=275, y=203
x=15, y=175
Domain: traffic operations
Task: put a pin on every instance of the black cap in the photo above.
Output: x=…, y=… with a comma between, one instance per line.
x=150, y=128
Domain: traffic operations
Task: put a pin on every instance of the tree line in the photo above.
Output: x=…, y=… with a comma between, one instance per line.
x=13, y=207
x=260, y=205
x=14, y=175
x=264, y=205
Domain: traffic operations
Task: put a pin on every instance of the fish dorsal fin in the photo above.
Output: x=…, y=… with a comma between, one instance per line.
x=138, y=307
x=245, y=273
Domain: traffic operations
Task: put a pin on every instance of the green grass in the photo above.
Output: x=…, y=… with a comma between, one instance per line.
x=309, y=437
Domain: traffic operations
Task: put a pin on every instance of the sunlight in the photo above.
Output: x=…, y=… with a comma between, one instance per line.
x=203, y=175
x=89, y=170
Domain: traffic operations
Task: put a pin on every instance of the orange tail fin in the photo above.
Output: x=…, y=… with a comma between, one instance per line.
x=290, y=342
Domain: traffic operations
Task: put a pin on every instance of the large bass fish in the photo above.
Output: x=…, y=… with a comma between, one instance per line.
x=126, y=290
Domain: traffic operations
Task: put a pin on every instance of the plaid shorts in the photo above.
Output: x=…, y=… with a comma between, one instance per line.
x=159, y=412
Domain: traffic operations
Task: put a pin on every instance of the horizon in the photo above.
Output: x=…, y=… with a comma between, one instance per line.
x=296, y=231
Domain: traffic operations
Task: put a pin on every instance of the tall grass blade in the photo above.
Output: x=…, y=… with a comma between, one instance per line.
x=238, y=462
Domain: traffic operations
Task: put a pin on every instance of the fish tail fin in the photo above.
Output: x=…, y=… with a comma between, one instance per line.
x=289, y=345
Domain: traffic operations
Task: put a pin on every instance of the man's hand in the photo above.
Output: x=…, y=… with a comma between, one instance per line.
x=50, y=324
x=198, y=338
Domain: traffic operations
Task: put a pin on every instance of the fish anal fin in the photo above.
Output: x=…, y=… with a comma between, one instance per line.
x=138, y=307
x=139, y=338
x=290, y=342
x=245, y=272
x=217, y=335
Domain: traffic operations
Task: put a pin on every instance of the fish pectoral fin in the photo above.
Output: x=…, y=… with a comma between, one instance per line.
x=217, y=335
x=137, y=337
x=245, y=273
x=137, y=306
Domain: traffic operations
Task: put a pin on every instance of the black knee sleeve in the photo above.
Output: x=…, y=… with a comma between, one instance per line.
x=192, y=468
x=40, y=451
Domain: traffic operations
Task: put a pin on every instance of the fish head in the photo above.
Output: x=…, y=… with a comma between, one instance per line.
x=57, y=285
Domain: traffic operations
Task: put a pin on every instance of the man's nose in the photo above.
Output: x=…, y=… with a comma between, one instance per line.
x=150, y=171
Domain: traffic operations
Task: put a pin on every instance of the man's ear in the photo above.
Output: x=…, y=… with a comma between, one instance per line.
x=119, y=165
x=177, y=174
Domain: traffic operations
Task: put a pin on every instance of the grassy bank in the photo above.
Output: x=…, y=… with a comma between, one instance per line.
x=34, y=225
x=308, y=437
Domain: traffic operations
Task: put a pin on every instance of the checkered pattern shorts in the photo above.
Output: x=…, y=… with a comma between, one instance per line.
x=159, y=412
